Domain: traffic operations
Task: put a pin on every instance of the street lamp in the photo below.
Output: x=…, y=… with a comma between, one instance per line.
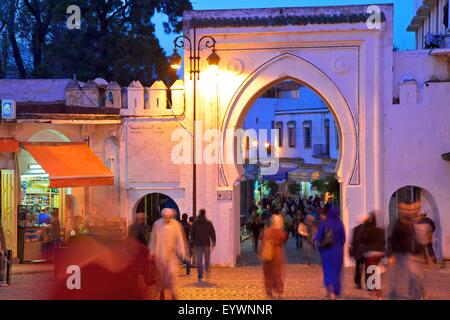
x=194, y=74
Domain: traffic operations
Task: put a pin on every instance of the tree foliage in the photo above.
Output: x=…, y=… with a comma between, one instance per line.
x=116, y=41
x=272, y=186
x=328, y=184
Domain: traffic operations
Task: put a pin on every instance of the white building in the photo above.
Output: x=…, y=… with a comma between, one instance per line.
x=308, y=137
x=431, y=24
x=391, y=109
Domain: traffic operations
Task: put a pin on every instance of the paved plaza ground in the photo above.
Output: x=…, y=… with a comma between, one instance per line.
x=244, y=282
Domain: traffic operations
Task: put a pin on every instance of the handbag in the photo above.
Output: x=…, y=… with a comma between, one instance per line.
x=267, y=251
x=327, y=239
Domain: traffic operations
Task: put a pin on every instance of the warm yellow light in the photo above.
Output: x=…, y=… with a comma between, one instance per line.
x=255, y=143
x=267, y=145
x=175, y=60
x=213, y=69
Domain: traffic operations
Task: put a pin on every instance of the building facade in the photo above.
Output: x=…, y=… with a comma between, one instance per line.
x=308, y=137
x=391, y=118
x=430, y=24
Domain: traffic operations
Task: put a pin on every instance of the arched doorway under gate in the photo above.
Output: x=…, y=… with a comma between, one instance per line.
x=152, y=204
x=424, y=204
x=296, y=69
x=303, y=138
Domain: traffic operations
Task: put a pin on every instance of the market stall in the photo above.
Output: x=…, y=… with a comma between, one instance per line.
x=52, y=168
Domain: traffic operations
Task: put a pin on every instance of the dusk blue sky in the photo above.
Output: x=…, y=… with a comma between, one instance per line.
x=403, y=14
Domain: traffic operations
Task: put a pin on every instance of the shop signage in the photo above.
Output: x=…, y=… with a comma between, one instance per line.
x=224, y=195
x=8, y=109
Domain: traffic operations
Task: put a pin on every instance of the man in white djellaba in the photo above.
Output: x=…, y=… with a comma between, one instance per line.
x=167, y=244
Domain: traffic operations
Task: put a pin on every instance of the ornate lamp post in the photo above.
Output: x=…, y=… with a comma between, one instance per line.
x=194, y=74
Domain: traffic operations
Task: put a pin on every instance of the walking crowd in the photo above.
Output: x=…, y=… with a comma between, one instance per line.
x=315, y=225
x=187, y=240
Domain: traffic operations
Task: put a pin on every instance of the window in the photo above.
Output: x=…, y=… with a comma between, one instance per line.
x=101, y=97
x=291, y=134
x=445, y=19
x=168, y=100
x=327, y=136
x=271, y=93
x=307, y=133
x=336, y=135
x=279, y=126
x=409, y=194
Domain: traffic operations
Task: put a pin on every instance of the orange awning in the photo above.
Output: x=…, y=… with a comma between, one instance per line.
x=70, y=164
x=9, y=145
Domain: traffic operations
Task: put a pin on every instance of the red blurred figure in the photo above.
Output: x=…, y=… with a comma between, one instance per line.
x=138, y=249
x=272, y=255
x=96, y=271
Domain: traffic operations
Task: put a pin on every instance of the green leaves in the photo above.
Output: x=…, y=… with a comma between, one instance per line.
x=116, y=41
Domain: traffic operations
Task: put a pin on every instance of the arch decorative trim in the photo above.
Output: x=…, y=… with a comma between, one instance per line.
x=290, y=66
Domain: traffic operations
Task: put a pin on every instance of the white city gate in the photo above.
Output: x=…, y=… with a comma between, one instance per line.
x=330, y=49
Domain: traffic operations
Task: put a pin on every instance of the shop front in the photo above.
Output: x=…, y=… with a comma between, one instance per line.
x=8, y=149
x=48, y=173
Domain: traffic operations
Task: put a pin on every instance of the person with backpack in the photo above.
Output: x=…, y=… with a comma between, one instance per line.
x=331, y=239
x=272, y=256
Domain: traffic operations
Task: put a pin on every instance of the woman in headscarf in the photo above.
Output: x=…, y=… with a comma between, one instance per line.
x=331, y=239
x=166, y=243
x=273, y=240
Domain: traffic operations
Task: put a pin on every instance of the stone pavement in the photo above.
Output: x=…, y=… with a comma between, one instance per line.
x=241, y=283
x=32, y=268
x=302, y=282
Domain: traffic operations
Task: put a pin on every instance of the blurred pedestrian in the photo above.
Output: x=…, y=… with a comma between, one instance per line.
x=406, y=254
x=167, y=241
x=137, y=248
x=137, y=229
x=187, y=231
x=424, y=229
x=203, y=236
x=3, y=258
x=56, y=230
x=331, y=239
x=374, y=250
x=298, y=219
x=256, y=227
x=272, y=256
x=308, y=233
x=356, y=250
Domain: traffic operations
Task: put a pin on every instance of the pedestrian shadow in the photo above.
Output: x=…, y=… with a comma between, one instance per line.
x=203, y=284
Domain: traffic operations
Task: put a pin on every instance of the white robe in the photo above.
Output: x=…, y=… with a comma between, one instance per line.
x=167, y=241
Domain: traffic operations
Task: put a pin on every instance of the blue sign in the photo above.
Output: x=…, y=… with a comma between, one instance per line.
x=8, y=109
